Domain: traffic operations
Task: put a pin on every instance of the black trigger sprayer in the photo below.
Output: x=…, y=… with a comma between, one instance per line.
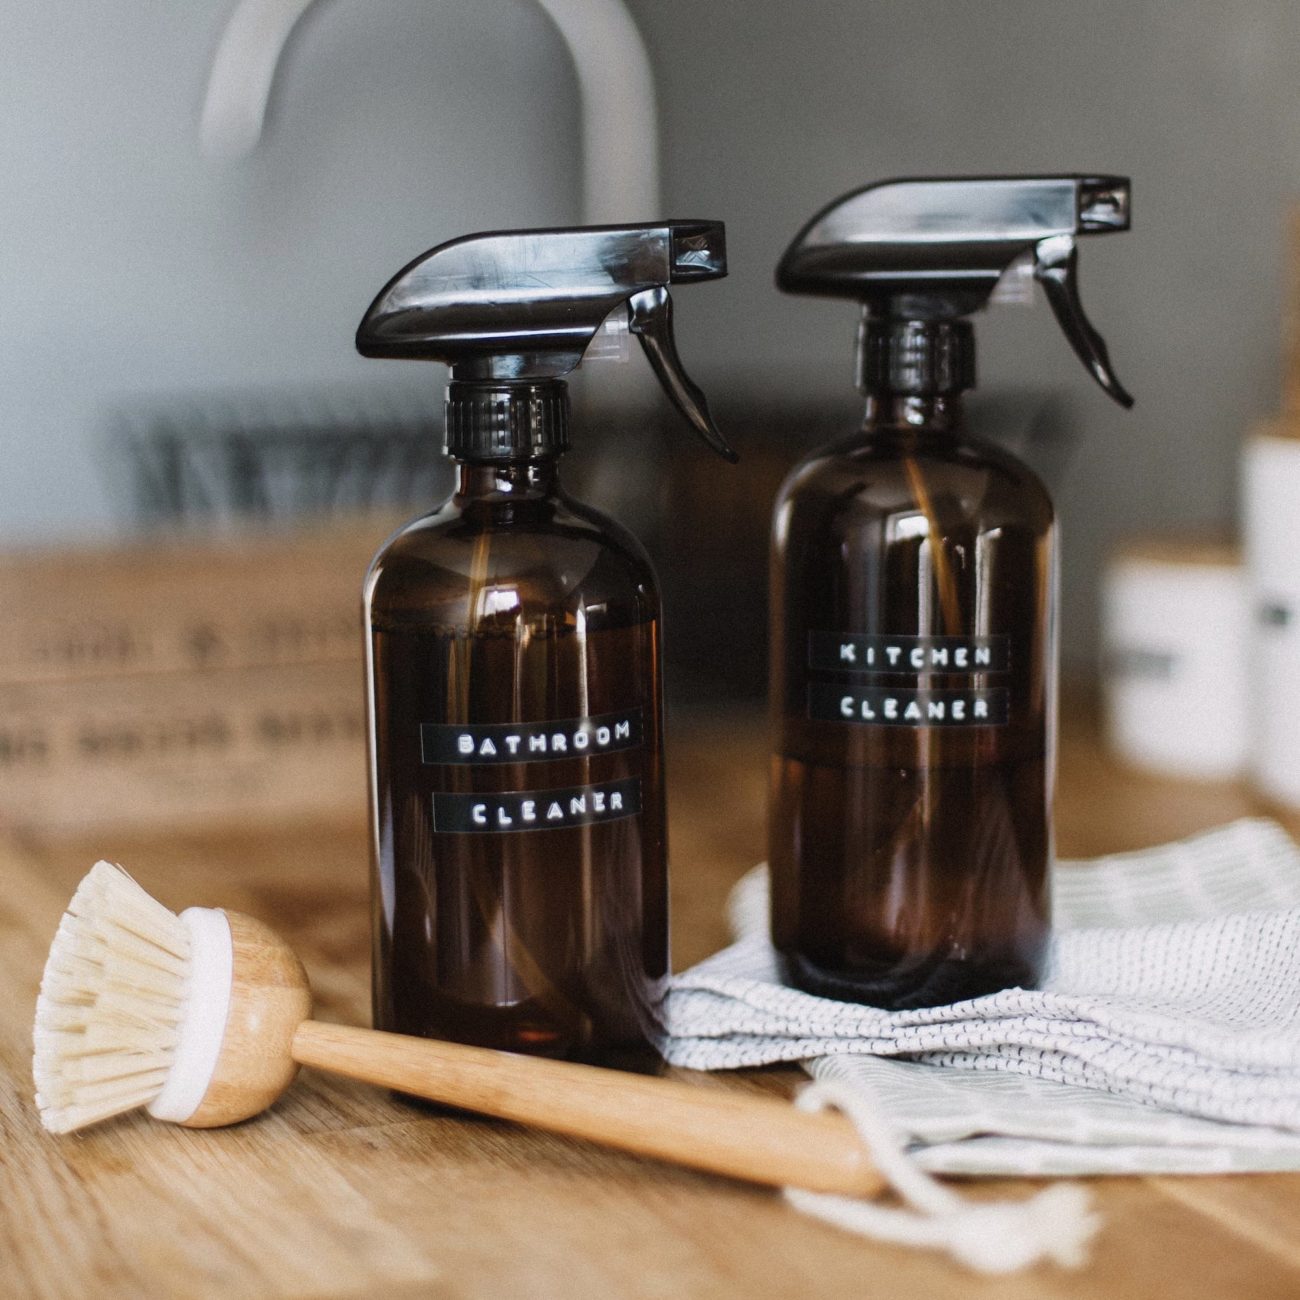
x=511, y=313
x=921, y=255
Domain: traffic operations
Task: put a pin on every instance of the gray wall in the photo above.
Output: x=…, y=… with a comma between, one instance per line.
x=131, y=267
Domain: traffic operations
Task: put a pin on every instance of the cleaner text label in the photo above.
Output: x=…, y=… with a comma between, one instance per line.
x=908, y=681
x=535, y=810
x=907, y=707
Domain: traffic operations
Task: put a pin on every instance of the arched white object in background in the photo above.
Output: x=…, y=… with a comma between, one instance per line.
x=620, y=146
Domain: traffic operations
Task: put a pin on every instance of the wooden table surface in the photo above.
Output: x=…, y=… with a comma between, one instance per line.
x=342, y=1191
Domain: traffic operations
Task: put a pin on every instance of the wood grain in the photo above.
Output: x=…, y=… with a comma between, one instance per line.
x=758, y=1139
x=210, y=680
x=341, y=1190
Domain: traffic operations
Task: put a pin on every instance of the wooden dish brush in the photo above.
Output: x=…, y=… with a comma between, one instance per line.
x=204, y=1018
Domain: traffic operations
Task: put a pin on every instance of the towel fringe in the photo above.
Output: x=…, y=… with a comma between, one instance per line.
x=1058, y=1224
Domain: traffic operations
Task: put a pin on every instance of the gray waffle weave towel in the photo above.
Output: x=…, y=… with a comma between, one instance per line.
x=1165, y=1038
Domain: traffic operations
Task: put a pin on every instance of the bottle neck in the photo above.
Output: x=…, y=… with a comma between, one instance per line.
x=507, y=480
x=914, y=413
x=914, y=372
x=507, y=422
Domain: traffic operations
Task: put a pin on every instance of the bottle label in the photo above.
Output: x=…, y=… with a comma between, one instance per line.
x=914, y=660
x=907, y=707
x=833, y=653
x=529, y=742
x=536, y=810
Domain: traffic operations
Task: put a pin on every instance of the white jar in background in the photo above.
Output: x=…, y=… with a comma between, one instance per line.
x=1176, y=636
x=1271, y=508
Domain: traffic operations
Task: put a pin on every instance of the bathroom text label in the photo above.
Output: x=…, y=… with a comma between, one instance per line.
x=530, y=742
x=903, y=707
x=536, y=810
x=837, y=653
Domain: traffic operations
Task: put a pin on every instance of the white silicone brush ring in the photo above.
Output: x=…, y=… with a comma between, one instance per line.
x=203, y=1024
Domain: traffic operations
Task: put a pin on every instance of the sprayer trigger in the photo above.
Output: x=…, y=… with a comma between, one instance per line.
x=650, y=318
x=1056, y=267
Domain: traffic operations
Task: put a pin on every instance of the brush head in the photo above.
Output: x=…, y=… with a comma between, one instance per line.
x=111, y=1005
x=191, y=1016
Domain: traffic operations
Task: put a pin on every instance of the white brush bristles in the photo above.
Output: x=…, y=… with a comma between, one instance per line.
x=112, y=1001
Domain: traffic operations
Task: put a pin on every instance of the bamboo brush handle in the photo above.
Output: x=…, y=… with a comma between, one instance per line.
x=758, y=1139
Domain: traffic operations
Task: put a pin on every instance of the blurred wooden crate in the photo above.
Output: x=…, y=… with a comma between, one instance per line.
x=185, y=682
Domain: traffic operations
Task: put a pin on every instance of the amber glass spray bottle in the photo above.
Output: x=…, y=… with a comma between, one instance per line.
x=520, y=889
x=913, y=609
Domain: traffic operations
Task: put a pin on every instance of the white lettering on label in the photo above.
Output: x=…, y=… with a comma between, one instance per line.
x=517, y=811
x=921, y=654
x=921, y=708
x=584, y=736
x=923, y=661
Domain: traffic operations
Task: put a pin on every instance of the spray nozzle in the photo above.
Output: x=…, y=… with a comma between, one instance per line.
x=522, y=307
x=934, y=250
